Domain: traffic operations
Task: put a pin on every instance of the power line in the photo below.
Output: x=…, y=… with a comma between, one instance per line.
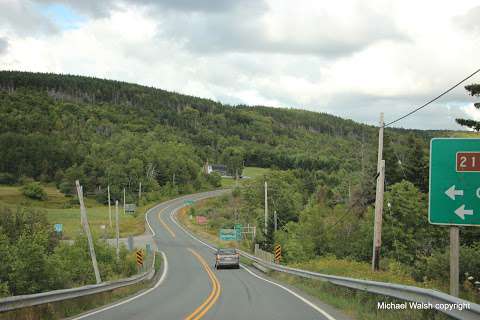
x=434, y=99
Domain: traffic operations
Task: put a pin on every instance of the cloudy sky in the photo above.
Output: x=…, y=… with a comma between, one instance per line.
x=345, y=57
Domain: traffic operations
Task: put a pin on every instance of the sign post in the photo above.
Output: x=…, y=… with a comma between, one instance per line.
x=277, y=251
x=139, y=255
x=454, y=193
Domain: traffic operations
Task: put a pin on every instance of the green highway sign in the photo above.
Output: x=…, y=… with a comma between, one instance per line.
x=238, y=229
x=58, y=227
x=228, y=234
x=189, y=202
x=454, y=197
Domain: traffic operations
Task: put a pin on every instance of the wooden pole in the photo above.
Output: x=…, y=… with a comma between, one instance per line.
x=86, y=228
x=266, y=208
x=117, y=231
x=109, y=208
x=454, y=260
x=81, y=195
x=275, y=220
x=139, y=192
x=377, y=235
x=124, y=212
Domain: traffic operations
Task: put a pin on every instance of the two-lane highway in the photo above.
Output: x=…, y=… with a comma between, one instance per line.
x=192, y=289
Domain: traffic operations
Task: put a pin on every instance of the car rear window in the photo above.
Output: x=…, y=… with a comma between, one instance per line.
x=226, y=251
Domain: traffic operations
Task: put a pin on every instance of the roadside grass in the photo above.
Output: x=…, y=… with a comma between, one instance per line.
x=72, y=307
x=355, y=303
x=393, y=273
x=227, y=182
x=59, y=209
x=206, y=233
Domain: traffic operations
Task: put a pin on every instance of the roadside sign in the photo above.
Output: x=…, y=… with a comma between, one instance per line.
x=228, y=234
x=189, y=202
x=139, y=256
x=238, y=229
x=58, y=227
x=277, y=252
x=454, y=197
x=201, y=219
x=130, y=208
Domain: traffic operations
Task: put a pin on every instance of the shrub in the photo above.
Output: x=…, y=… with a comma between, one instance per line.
x=436, y=266
x=7, y=178
x=214, y=179
x=34, y=190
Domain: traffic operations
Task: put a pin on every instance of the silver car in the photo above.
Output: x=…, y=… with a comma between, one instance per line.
x=227, y=257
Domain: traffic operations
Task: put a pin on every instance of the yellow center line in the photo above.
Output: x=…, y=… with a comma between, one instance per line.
x=214, y=294
x=164, y=224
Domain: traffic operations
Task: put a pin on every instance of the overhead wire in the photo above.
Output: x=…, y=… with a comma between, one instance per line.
x=433, y=100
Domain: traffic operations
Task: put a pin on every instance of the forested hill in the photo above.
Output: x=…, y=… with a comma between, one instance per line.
x=62, y=127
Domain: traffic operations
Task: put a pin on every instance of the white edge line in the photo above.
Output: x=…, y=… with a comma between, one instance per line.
x=159, y=282
x=307, y=302
x=311, y=304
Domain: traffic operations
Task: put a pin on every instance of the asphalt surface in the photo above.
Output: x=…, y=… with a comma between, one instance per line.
x=191, y=282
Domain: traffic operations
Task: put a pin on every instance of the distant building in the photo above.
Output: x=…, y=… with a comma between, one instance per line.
x=221, y=169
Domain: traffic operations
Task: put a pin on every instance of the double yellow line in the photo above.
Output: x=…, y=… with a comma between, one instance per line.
x=214, y=294
x=164, y=224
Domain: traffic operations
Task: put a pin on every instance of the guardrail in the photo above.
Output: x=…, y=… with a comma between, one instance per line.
x=29, y=300
x=402, y=292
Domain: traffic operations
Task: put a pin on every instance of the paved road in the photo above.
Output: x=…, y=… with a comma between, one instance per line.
x=193, y=289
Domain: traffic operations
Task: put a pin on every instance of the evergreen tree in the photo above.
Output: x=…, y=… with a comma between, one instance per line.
x=474, y=90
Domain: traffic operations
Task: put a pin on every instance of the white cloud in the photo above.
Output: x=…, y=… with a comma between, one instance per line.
x=343, y=57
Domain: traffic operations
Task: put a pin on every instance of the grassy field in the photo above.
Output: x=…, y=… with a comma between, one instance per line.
x=253, y=172
x=248, y=172
x=61, y=209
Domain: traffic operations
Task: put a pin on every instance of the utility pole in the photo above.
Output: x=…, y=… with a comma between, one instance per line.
x=124, y=212
x=81, y=216
x=377, y=236
x=236, y=177
x=139, y=192
x=86, y=228
x=275, y=220
x=266, y=208
x=454, y=260
x=117, y=230
x=173, y=178
x=109, y=207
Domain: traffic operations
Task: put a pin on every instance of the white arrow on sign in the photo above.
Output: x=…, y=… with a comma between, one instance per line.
x=461, y=212
x=451, y=192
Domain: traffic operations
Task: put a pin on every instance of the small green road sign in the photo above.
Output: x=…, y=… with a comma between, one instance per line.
x=58, y=227
x=228, y=234
x=189, y=202
x=238, y=229
x=454, y=197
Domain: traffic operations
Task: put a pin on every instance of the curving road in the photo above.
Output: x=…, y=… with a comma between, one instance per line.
x=192, y=289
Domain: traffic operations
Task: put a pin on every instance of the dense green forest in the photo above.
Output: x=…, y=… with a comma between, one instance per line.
x=59, y=128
